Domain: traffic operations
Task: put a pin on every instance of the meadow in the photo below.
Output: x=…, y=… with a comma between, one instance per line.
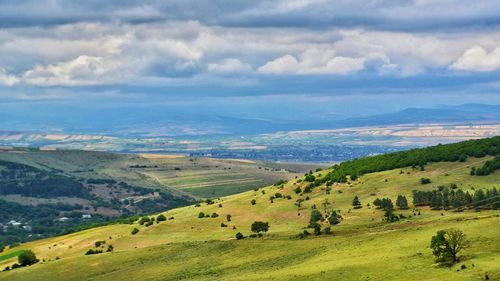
x=362, y=247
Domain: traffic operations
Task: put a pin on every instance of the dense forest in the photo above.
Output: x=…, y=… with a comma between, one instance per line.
x=27, y=180
x=415, y=157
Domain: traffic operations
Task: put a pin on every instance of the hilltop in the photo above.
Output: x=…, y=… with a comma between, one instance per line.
x=197, y=242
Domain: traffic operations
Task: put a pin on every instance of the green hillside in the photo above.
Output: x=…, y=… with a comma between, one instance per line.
x=198, y=242
x=53, y=192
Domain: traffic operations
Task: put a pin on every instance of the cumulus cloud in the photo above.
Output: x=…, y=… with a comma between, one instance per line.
x=478, y=59
x=7, y=79
x=229, y=66
x=83, y=70
x=318, y=61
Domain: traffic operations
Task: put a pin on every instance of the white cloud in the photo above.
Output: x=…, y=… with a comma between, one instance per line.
x=83, y=70
x=229, y=66
x=315, y=61
x=7, y=79
x=478, y=59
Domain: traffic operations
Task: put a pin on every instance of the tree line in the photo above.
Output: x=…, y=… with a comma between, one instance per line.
x=444, y=198
x=415, y=157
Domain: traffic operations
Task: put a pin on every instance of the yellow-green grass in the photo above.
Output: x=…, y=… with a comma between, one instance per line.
x=196, y=176
x=363, y=247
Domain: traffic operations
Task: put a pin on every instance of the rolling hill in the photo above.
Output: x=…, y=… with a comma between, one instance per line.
x=48, y=193
x=198, y=242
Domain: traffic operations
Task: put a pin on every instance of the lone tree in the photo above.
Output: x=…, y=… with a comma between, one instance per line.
x=356, y=203
x=27, y=257
x=260, y=226
x=447, y=244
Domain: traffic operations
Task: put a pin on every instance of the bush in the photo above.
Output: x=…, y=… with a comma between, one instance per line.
x=27, y=257
x=259, y=226
x=425, y=181
x=239, y=236
x=327, y=230
x=110, y=248
x=253, y=202
x=93, y=252
x=99, y=243
x=135, y=231
x=201, y=215
x=161, y=218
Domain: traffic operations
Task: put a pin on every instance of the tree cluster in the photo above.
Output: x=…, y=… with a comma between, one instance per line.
x=488, y=167
x=444, y=198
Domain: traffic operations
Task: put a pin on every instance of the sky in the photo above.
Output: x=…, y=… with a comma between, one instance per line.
x=273, y=60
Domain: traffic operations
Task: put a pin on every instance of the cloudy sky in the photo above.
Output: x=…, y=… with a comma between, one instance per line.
x=255, y=59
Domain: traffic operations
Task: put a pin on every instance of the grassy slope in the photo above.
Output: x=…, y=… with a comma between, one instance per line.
x=363, y=247
x=199, y=177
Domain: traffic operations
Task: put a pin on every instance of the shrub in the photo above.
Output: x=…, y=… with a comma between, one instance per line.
x=99, y=243
x=214, y=215
x=253, y=202
x=297, y=190
x=425, y=181
x=239, y=236
x=356, y=203
x=110, y=248
x=135, y=231
x=259, y=226
x=201, y=215
x=327, y=230
x=228, y=217
x=161, y=218
x=93, y=252
x=27, y=257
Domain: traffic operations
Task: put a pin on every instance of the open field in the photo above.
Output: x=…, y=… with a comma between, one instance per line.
x=362, y=247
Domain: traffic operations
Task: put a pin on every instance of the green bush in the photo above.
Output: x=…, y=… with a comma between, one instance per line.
x=135, y=231
x=27, y=257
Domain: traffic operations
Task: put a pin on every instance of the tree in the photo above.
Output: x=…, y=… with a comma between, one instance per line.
x=457, y=241
x=161, y=218
x=401, y=202
x=356, y=203
x=27, y=257
x=253, y=202
x=315, y=216
x=334, y=218
x=239, y=236
x=298, y=190
x=447, y=244
x=259, y=226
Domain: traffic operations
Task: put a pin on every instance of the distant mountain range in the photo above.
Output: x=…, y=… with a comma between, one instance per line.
x=163, y=123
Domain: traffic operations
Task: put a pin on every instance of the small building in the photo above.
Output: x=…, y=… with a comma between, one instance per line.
x=86, y=216
x=63, y=219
